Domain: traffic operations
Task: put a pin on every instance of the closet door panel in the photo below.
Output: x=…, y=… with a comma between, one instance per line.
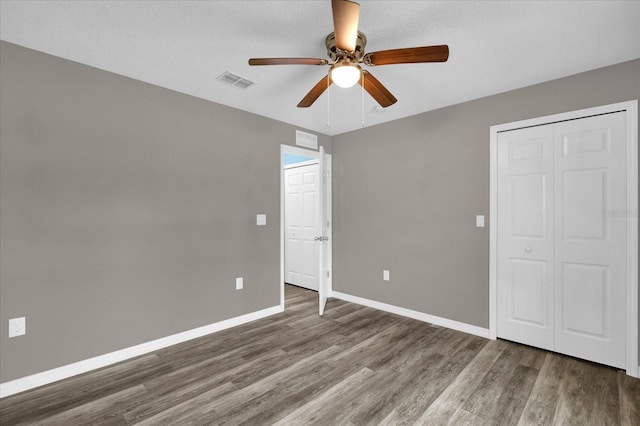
x=525, y=235
x=590, y=239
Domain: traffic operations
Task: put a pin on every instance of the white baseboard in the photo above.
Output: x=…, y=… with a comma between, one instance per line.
x=29, y=382
x=420, y=316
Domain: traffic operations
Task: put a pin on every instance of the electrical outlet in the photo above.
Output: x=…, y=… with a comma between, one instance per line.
x=17, y=327
x=385, y=275
x=480, y=221
x=239, y=283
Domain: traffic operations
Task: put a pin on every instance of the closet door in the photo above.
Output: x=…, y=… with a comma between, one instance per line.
x=590, y=238
x=525, y=236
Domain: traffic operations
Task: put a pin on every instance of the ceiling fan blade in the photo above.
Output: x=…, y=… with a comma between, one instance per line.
x=409, y=55
x=315, y=93
x=345, y=23
x=377, y=90
x=287, y=61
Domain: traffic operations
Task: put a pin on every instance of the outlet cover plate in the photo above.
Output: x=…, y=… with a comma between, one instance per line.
x=480, y=221
x=17, y=327
x=385, y=275
x=239, y=283
x=261, y=219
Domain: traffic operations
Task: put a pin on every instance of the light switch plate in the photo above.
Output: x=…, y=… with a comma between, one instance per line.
x=17, y=327
x=385, y=275
x=239, y=283
x=261, y=219
x=480, y=221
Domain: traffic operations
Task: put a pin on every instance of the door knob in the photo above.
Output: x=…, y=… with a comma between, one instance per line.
x=528, y=249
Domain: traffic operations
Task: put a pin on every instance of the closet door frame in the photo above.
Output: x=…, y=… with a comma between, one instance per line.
x=631, y=109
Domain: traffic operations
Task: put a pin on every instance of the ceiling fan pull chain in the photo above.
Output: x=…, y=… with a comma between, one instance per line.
x=328, y=97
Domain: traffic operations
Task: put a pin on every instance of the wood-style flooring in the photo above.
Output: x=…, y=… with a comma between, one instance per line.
x=354, y=366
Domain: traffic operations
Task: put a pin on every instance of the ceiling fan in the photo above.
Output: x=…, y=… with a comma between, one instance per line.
x=345, y=48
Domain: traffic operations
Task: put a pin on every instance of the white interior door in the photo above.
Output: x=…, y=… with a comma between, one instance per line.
x=525, y=235
x=561, y=256
x=302, y=225
x=324, y=260
x=590, y=239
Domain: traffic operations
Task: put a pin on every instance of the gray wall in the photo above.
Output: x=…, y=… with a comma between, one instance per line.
x=406, y=194
x=126, y=211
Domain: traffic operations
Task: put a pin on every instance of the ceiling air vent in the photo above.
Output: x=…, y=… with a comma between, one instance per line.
x=236, y=80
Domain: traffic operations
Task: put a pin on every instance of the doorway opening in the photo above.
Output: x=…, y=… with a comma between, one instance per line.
x=305, y=221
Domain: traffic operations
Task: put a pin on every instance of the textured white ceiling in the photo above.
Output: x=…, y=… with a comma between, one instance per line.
x=185, y=45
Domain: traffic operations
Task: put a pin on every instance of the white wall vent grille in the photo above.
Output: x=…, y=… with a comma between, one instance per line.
x=236, y=80
x=306, y=139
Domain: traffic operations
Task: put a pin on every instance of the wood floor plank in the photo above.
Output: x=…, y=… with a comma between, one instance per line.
x=67, y=394
x=183, y=385
x=586, y=392
x=372, y=406
x=482, y=401
x=433, y=381
x=605, y=395
x=280, y=400
x=462, y=387
x=541, y=405
x=392, y=419
x=462, y=417
x=573, y=406
x=356, y=314
x=629, y=391
x=327, y=407
x=313, y=383
x=238, y=396
x=106, y=411
x=353, y=366
x=508, y=408
x=197, y=410
x=401, y=372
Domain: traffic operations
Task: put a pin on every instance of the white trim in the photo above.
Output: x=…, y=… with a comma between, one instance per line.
x=632, y=239
x=571, y=115
x=69, y=370
x=281, y=285
x=493, y=231
x=420, y=316
x=631, y=109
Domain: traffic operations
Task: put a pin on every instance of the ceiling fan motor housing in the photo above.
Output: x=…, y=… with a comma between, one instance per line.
x=336, y=54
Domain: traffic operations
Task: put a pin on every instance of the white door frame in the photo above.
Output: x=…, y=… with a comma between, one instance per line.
x=289, y=149
x=631, y=109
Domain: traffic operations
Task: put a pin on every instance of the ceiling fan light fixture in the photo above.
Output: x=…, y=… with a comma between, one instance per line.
x=345, y=74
